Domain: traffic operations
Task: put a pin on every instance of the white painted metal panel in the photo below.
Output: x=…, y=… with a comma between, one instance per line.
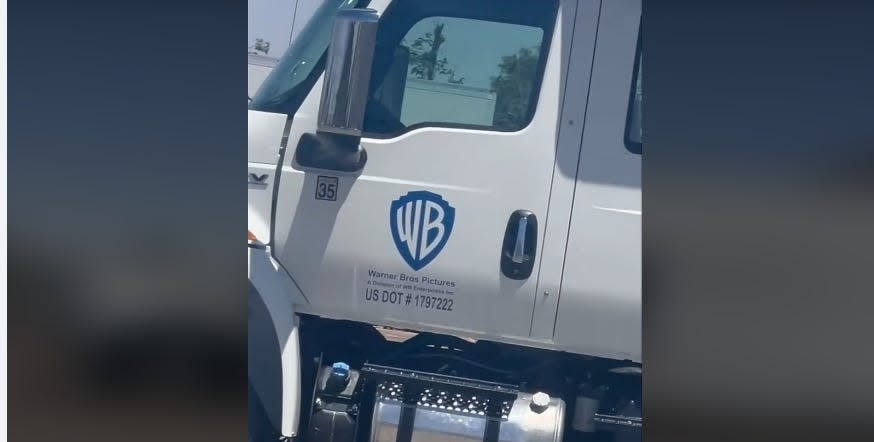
x=600, y=308
x=329, y=247
x=265, y=139
x=576, y=84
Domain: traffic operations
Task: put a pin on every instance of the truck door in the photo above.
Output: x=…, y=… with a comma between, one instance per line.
x=441, y=227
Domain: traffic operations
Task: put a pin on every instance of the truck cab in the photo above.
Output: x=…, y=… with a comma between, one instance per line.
x=444, y=199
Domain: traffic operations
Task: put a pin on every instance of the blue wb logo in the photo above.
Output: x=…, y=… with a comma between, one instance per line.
x=420, y=226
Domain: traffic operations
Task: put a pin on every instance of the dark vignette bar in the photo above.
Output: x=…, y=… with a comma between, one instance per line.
x=127, y=310
x=758, y=189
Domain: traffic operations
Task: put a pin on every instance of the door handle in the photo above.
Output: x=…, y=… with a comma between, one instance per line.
x=520, y=245
x=519, y=250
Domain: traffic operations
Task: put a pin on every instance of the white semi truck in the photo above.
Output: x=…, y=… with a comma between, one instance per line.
x=444, y=237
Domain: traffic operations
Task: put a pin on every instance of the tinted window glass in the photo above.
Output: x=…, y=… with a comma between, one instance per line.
x=470, y=72
x=457, y=70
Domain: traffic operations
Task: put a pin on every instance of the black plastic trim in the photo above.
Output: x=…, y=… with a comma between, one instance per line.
x=493, y=431
x=406, y=424
x=521, y=270
x=326, y=151
x=634, y=147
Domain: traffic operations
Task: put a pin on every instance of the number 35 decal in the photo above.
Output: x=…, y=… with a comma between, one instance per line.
x=326, y=188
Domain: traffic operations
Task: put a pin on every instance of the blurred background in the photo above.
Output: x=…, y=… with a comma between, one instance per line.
x=126, y=271
x=126, y=207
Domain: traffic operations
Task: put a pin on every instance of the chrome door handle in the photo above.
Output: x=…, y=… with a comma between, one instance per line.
x=519, y=251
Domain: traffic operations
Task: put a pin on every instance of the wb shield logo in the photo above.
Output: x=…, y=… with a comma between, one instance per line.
x=420, y=226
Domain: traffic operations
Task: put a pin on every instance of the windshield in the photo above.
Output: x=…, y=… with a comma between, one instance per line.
x=286, y=87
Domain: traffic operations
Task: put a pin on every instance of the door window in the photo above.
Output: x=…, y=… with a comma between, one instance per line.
x=476, y=65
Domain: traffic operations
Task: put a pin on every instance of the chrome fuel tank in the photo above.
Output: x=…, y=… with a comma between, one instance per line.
x=455, y=417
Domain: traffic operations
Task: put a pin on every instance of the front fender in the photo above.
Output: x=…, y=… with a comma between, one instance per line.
x=274, y=361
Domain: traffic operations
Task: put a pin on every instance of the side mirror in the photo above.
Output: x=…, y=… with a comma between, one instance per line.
x=347, y=72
